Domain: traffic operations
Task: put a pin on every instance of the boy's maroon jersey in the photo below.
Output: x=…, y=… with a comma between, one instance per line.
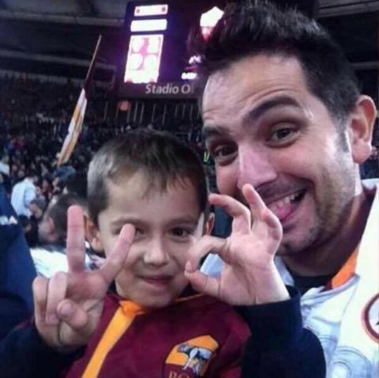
x=197, y=336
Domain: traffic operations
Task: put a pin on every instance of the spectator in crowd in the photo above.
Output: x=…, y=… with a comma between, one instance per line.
x=282, y=111
x=152, y=188
x=16, y=270
x=23, y=193
x=50, y=255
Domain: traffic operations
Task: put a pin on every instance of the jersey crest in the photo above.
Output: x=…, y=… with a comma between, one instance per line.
x=370, y=318
x=190, y=358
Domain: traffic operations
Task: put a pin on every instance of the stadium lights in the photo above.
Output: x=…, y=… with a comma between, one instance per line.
x=151, y=10
x=148, y=25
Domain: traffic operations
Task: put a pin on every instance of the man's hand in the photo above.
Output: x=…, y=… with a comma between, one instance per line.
x=68, y=306
x=249, y=275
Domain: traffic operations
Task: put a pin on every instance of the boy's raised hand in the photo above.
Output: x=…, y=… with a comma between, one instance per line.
x=249, y=275
x=68, y=306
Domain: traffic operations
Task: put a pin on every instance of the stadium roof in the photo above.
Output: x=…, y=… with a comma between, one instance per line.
x=59, y=36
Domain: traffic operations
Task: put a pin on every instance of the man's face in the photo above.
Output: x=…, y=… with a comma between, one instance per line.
x=167, y=225
x=264, y=127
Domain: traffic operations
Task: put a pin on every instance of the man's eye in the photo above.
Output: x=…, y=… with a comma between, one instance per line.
x=222, y=151
x=282, y=135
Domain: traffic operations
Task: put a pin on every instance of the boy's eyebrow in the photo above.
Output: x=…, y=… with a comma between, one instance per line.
x=185, y=220
x=124, y=220
x=189, y=220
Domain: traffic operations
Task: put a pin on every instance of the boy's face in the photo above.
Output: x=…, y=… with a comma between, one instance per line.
x=167, y=225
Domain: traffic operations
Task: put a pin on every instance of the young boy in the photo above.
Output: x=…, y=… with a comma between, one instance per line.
x=147, y=198
x=153, y=325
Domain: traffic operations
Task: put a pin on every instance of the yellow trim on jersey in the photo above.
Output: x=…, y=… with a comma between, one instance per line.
x=120, y=322
x=346, y=272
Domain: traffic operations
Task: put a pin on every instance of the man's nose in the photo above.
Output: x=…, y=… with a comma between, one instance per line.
x=255, y=167
x=156, y=253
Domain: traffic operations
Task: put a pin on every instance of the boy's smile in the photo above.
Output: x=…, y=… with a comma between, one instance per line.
x=167, y=224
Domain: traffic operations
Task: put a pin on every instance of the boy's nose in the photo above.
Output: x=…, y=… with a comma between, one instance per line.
x=156, y=254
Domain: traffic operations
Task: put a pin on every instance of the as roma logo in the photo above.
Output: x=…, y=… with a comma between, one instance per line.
x=371, y=318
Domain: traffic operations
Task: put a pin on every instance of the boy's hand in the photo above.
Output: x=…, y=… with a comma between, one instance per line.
x=249, y=275
x=68, y=306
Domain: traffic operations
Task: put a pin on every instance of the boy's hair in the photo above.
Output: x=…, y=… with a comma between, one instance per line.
x=162, y=157
x=250, y=28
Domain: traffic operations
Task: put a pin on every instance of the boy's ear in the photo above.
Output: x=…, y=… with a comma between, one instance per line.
x=361, y=129
x=93, y=235
x=208, y=226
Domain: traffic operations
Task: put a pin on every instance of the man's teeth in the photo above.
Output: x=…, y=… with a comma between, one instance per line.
x=282, y=202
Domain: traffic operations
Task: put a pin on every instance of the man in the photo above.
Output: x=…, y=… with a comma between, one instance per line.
x=23, y=194
x=282, y=111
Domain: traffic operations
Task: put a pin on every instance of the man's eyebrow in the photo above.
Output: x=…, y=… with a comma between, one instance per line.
x=209, y=131
x=276, y=102
x=212, y=131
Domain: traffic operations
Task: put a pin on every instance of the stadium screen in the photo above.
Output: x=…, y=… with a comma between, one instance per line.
x=155, y=41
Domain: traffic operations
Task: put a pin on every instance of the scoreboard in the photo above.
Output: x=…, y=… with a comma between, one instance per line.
x=155, y=62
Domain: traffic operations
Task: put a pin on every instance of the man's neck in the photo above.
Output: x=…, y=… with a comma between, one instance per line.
x=328, y=258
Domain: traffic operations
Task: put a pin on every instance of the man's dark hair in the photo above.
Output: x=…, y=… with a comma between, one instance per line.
x=162, y=157
x=250, y=28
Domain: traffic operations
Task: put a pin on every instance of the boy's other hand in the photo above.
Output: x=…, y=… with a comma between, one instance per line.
x=68, y=306
x=249, y=275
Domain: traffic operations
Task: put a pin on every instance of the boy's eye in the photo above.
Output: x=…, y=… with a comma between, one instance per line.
x=139, y=230
x=181, y=232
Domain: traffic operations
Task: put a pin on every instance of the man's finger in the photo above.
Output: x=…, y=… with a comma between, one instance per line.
x=116, y=259
x=261, y=213
x=56, y=293
x=256, y=204
x=239, y=212
x=75, y=239
x=203, y=283
x=205, y=245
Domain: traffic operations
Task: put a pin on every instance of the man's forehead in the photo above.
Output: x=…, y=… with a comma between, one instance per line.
x=250, y=79
x=254, y=69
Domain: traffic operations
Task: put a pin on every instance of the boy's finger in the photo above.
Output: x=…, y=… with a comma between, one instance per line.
x=204, y=246
x=116, y=259
x=73, y=315
x=203, y=283
x=75, y=239
x=239, y=212
x=56, y=293
x=40, y=299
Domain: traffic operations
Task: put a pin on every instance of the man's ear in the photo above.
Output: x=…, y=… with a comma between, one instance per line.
x=208, y=226
x=93, y=235
x=361, y=128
